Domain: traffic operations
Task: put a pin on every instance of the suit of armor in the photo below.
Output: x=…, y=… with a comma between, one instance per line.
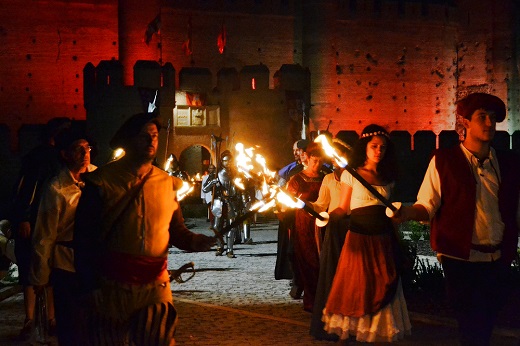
x=247, y=198
x=226, y=202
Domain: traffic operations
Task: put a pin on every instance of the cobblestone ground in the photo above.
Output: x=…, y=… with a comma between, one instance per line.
x=238, y=302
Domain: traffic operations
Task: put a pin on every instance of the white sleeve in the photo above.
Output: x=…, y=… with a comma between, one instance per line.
x=44, y=237
x=202, y=193
x=346, y=178
x=429, y=195
x=323, y=201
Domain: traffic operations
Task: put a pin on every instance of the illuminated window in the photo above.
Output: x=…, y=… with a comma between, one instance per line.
x=196, y=116
x=253, y=84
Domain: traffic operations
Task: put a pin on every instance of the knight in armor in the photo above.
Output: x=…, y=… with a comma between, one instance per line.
x=247, y=198
x=174, y=169
x=226, y=202
x=207, y=197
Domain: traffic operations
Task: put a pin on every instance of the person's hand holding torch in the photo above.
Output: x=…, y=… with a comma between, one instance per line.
x=329, y=150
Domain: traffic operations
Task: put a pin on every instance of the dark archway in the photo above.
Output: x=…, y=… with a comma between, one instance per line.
x=195, y=159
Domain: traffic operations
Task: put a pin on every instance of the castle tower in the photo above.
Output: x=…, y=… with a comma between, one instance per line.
x=134, y=18
x=318, y=31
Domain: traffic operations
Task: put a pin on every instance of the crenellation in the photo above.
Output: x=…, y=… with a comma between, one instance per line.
x=254, y=77
x=148, y=74
x=109, y=73
x=195, y=79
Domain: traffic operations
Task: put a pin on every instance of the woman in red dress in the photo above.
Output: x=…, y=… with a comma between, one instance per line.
x=306, y=186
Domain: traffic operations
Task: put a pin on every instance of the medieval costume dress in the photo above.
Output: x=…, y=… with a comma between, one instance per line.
x=302, y=234
x=330, y=251
x=366, y=299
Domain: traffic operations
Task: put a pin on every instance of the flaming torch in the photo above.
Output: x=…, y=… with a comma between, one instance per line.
x=254, y=167
x=343, y=163
x=184, y=191
x=117, y=154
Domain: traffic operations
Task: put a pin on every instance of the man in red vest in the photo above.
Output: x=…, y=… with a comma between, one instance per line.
x=470, y=193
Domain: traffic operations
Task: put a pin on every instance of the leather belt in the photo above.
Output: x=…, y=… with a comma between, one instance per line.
x=485, y=248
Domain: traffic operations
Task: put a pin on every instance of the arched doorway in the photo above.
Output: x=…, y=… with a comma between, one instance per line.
x=195, y=159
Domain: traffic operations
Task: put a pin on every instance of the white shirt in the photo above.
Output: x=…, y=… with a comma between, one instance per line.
x=361, y=197
x=329, y=195
x=488, y=226
x=205, y=196
x=54, y=224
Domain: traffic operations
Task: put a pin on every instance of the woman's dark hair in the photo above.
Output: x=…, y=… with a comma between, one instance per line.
x=315, y=149
x=387, y=168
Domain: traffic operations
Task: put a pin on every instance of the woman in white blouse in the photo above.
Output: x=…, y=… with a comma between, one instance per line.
x=366, y=300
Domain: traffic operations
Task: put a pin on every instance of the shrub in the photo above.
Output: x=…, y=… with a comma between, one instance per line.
x=418, y=275
x=416, y=230
x=429, y=278
x=407, y=259
x=515, y=269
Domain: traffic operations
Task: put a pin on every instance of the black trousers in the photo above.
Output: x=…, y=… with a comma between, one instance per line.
x=476, y=291
x=70, y=314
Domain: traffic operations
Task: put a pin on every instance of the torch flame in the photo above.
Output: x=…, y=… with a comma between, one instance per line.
x=330, y=151
x=238, y=182
x=168, y=163
x=243, y=160
x=254, y=167
x=184, y=191
x=289, y=201
x=118, y=153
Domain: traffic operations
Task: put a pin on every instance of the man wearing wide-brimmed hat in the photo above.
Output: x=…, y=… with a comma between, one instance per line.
x=126, y=219
x=471, y=195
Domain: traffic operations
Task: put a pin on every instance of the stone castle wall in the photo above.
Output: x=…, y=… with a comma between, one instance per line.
x=401, y=64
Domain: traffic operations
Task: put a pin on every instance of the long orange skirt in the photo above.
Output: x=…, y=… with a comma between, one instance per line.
x=366, y=276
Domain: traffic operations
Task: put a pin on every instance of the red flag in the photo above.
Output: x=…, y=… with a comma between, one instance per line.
x=221, y=39
x=154, y=27
x=186, y=46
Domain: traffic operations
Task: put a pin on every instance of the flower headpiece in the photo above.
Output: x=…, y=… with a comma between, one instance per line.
x=376, y=133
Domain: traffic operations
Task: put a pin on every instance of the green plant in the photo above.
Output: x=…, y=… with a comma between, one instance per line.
x=406, y=258
x=11, y=276
x=515, y=269
x=426, y=232
x=416, y=230
x=429, y=278
x=418, y=276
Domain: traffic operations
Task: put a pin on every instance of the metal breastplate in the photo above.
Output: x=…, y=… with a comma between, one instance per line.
x=227, y=186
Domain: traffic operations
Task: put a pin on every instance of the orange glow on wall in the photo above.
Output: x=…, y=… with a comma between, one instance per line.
x=253, y=84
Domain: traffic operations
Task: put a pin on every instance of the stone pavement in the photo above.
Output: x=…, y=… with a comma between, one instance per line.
x=238, y=302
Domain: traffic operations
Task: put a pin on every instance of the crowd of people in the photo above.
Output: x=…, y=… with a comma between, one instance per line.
x=351, y=269
x=345, y=266
x=95, y=242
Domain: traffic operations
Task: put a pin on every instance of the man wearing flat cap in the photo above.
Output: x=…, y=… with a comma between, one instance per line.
x=126, y=219
x=470, y=193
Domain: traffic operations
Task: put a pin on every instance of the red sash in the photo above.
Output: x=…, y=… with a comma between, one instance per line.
x=133, y=269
